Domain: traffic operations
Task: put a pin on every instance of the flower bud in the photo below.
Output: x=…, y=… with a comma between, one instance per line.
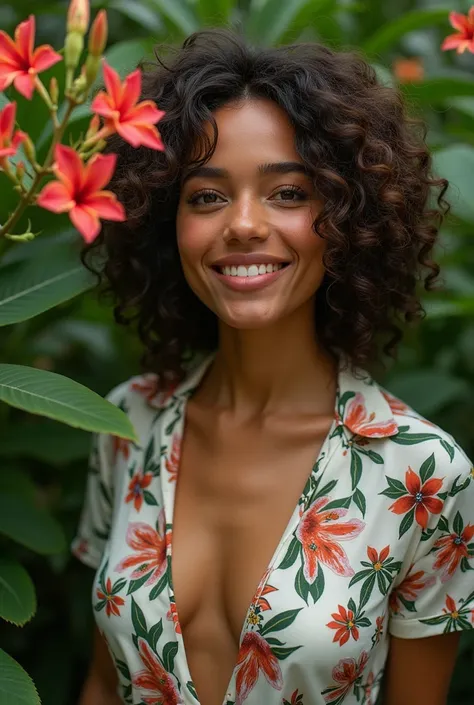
x=80, y=84
x=73, y=49
x=54, y=90
x=98, y=34
x=92, y=67
x=29, y=148
x=93, y=128
x=78, y=17
x=20, y=171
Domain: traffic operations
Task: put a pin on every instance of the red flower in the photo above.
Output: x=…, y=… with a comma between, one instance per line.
x=345, y=624
x=368, y=686
x=150, y=547
x=138, y=483
x=378, y=629
x=453, y=548
x=263, y=603
x=356, y=419
x=9, y=140
x=113, y=602
x=320, y=533
x=347, y=671
x=451, y=607
x=78, y=191
x=133, y=121
x=376, y=559
x=255, y=656
x=172, y=463
x=409, y=588
x=157, y=686
x=464, y=38
x=121, y=445
x=420, y=497
x=19, y=64
x=172, y=615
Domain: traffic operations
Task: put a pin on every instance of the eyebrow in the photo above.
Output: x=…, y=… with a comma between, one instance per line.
x=268, y=168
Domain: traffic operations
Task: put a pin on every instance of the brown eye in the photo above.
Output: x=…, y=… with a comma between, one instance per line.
x=291, y=194
x=204, y=198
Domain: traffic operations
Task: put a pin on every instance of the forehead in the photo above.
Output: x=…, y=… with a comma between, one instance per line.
x=252, y=130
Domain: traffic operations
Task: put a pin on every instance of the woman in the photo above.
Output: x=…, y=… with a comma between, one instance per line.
x=285, y=531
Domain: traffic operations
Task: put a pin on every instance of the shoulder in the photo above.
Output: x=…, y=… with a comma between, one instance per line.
x=420, y=442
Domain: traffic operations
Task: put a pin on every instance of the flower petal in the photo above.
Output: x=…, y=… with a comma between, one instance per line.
x=97, y=172
x=402, y=505
x=459, y=21
x=141, y=135
x=7, y=121
x=104, y=105
x=412, y=481
x=113, y=84
x=86, y=222
x=45, y=57
x=25, y=38
x=8, y=50
x=131, y=91
x=55, y=197
x=69, y=168
x=106, y=206
x=432, y=486
x=25, y=84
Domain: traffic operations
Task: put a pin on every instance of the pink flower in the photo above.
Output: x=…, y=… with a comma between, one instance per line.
x=78, y=191
x=156, y=685
x=464, y=38
x=9, y=140
x=255, y=657
x=359, y=422
x=19, y=64
x=134, y=122
x=150, y=551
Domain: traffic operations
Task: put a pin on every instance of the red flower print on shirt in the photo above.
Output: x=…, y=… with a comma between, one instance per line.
x=150, y=547
x=157, y=686
x=172, y=463
x=368, y=687
x=359, y=422
x=346, y=673
x=138, y=483
x=345, y=624
x=319, y=533
x=262, y=602
x=172, y=616
x=419, y=496
x=121, y=445
x=296, y=699
x=255, y=656
x=112, y=602
x=408, y=590
x=452, y=548
x=149, y=387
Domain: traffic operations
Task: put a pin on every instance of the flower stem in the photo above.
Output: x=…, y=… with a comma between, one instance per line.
x=27, y=199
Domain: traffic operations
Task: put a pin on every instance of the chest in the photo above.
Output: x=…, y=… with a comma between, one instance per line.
x=237, y=489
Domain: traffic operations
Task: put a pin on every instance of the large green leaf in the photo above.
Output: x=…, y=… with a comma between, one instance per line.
x=17, y=593
x=29, y=288
x=57, y=397
x=456, y=163
x=317, y=15
x=269, y=23
x=177, y=13
x=438, y=90
x=391, y=33
x=428, y=390
x=214, y=12
x=48, y=442
x=22, y=521
x=16, y=686
x=139, y=13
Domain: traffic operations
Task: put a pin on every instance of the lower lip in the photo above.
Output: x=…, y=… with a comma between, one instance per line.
x=249, y=283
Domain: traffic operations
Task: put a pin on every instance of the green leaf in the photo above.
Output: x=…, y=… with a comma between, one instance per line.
x=410, y=439
x=406, y=523
x=192, y=690
x=47, y=441
x=356, y=468
x=169, y=653
x=57, y=397
x=456, y=163
x=16, y=686
x=366, y=590
x=343, y=503
x=427, y=468
x=29, y=525
x=214, y=12
x=150, y=498
x=458, y=524
x=28, y=289
x=178, y=14
x=17, y=593
x=280, y=621
x=448, y=448
x=141, y=14
x=291, y=554
x=159, y=587
x=269, y=23
x=282, y=652
x=317, y=587
x=437, y=90
x=360, y=576
x=155, y=633
x=139, y=621
x=360, y=502
x=316, y=15
x=392, y=32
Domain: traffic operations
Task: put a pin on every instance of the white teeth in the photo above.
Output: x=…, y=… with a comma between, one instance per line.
x=253, y=271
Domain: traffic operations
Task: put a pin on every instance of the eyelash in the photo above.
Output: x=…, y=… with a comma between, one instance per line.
x=195, y=197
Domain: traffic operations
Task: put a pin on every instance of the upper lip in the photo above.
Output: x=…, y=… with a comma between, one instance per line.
x=248, y=259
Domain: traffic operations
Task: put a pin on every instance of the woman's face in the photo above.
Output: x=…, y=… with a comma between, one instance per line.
x=244, y=220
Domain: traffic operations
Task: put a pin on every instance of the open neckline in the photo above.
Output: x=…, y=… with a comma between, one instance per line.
x=177, y=422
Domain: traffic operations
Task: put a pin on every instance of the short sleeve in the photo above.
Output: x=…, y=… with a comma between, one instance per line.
x=97, y=509
x=436, y=595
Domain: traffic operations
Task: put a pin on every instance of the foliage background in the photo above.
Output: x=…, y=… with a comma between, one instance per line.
x=46, y=462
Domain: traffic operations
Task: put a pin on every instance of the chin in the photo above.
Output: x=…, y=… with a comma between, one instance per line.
x=249, y=320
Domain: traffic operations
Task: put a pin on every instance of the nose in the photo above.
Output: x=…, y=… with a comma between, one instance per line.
x=246, y=222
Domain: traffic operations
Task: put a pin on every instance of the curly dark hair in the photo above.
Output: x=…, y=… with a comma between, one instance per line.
x=369, y=161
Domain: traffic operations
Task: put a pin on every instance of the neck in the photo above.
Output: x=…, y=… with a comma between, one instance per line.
x=282, y=367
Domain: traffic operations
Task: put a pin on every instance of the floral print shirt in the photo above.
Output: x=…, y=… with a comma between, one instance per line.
x=380, y=543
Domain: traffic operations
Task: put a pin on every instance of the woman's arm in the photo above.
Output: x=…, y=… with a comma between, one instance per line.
x=419, y=670
x=100, y=687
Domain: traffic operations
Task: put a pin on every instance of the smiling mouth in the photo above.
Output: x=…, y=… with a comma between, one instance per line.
x=253, y=270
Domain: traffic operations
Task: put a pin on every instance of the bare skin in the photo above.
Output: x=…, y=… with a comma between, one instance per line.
x=257, y=422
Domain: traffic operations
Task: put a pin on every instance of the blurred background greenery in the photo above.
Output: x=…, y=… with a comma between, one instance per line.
x=44, y=463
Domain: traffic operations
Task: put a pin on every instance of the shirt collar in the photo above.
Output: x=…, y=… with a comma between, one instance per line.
x=361, y=405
